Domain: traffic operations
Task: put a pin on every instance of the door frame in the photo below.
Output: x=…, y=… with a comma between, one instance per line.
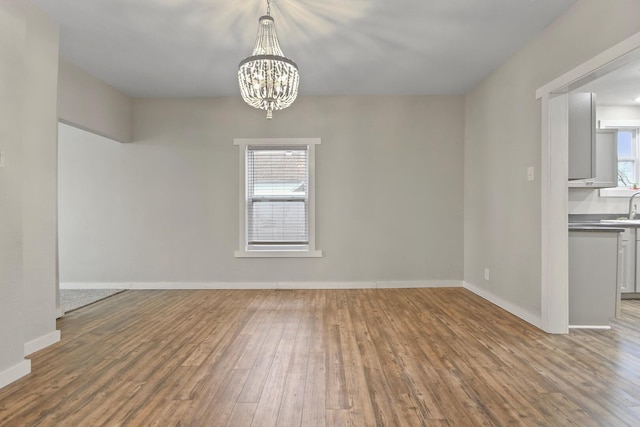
x=554, y=176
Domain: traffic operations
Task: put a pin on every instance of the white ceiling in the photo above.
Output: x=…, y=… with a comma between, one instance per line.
x=186, y=48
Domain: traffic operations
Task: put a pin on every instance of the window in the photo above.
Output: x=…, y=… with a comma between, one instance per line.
x=628, y=150
x=277, y=217
x=628, y=158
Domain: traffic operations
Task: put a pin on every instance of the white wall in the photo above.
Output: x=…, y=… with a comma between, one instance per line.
x=89, y=103
x=12, y=46
x=165, y=207
x=503, y=125
x=619, y=112
x=588, y=201
x=39, y=183
x=28, y=53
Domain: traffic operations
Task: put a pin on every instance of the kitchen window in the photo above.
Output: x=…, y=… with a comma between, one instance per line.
x=277, y=197
x=628, y=150
x=628, y=172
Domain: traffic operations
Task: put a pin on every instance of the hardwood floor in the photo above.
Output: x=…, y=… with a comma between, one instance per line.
x=410, y=357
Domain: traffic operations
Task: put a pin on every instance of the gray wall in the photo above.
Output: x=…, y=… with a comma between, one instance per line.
x=28, y=54
x=39, y=182
x=89, y=103
x=503, y=125
x=164, y=208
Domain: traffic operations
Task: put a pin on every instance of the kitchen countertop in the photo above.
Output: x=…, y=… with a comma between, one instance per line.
x=596, y=228
x=591, y=222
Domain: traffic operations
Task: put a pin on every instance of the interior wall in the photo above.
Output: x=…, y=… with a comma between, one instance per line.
x=619, y=112
x=12, y=36
x=89, y=103
x=28, y=53
x=165, y=208
x=503, y=125
x=39, y=182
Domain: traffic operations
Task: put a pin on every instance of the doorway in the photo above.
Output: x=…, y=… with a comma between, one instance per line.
x=554, y=176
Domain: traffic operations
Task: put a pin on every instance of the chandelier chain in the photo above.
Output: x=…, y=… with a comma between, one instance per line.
x=268, y=7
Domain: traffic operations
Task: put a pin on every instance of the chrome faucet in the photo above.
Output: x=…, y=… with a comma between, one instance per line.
x=632, y=211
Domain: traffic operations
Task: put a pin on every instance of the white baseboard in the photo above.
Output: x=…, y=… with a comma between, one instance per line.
x=264, y=285
x=404, y=284
x=41, y=342
x=15, y=372
x=604, y=327
x=516, y=310
x=95, y=285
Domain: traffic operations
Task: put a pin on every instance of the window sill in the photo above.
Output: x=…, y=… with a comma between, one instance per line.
x=618, y=192
x=277, y=254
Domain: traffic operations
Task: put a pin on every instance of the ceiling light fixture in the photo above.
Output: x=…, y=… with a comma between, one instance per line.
x=637, y=99
x=268, y=80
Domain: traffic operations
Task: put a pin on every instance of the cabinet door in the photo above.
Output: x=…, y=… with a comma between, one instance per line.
x=636, y=282
x=582, y=119
x=606, y=161
x=628, y=259
x=606, y=158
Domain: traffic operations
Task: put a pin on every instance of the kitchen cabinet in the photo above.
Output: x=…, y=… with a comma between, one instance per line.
x=606, y=152
x=636, y=283
x=593, y=284
x=628, y=250
x=582, y=135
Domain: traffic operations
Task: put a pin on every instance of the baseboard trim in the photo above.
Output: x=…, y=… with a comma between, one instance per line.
x=15, y=372
x=265, y=285
x=516, y=310
x=602, y=327
x=41, y=342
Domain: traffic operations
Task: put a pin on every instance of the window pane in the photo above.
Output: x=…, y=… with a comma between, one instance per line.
x=275, y=222
x=625, y=144
x=626, y=173
x=277, y=195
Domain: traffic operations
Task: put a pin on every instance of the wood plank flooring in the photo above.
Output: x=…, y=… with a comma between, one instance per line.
x=369, y=357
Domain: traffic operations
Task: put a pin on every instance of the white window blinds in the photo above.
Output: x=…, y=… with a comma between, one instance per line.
x=277, y=195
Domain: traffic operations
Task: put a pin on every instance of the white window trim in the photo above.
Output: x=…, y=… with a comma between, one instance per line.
x=622, y=124
x=244, y=251
x=618, y=192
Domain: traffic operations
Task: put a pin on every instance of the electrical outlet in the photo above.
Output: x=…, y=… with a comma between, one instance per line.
x=487, y=274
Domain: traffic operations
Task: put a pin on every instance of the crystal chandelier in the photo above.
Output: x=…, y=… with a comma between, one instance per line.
x=268, y=80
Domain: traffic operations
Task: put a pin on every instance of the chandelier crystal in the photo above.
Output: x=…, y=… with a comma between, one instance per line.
x=268, y=80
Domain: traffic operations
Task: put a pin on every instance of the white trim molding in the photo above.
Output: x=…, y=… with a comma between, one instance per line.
x=602, y=327
x=15, y=372
x=41, y=342
x=398, y=284
x=277, y=254
x=517, y=311
x=620, y=192
x=310, y=250
x=619, y=124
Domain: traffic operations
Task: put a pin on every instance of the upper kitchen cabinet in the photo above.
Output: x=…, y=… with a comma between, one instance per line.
x=582, y=135
x=606, y=153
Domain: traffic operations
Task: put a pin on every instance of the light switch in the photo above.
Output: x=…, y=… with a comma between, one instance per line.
x=1, y=158
x=531, y=173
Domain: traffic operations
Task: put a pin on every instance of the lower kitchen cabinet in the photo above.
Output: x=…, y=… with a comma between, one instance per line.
x=593, y=277
x=636, y=264
x=628, y=250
